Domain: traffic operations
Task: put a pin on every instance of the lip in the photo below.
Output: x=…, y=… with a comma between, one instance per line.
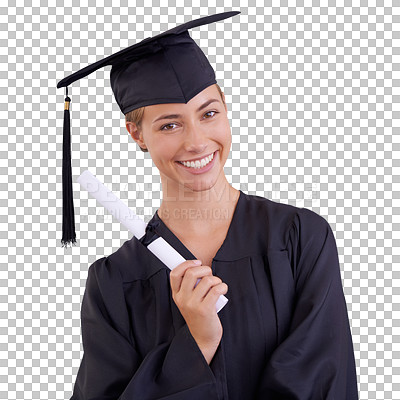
x=200, y=170
x=197, y=159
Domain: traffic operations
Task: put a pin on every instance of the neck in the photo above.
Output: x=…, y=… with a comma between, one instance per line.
x=194, y=211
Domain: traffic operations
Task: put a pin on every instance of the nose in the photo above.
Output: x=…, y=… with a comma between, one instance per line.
x=195, y=138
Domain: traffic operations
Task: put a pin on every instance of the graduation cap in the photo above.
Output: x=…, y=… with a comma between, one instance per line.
x=167, y=68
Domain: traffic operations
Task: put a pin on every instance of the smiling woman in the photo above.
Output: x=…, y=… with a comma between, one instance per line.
x=179, y=134
x=151, y=333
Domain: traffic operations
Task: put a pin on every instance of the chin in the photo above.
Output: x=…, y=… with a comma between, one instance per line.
x=199, y=187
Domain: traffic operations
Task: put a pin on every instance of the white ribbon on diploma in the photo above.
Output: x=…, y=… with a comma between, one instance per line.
x=159, y=247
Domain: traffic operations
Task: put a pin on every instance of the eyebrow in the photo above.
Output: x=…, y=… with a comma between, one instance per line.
x=172, y=116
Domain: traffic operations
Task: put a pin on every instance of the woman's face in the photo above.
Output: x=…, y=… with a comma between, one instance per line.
x=178, y=132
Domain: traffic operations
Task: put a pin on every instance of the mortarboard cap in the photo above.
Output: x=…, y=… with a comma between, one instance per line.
x=167, y=68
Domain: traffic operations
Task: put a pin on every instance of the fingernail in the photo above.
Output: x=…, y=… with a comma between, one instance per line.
x=197, y=262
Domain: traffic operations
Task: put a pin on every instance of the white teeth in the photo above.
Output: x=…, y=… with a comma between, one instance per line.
x=198, y=163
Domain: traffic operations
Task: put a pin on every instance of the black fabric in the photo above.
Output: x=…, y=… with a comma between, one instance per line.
x=286, y=330
x=167, y=68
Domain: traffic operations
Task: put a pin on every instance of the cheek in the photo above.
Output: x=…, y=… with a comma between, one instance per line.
x=162, y=150
x=224, y=133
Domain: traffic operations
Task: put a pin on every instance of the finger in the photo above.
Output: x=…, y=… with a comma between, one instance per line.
x=205, y=285
x=214, y=293
x=177, y=274
x=192, y=275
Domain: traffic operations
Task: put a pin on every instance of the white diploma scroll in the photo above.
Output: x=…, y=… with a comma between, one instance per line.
x=159, y=247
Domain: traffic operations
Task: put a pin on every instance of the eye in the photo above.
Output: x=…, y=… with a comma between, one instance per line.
x=208, y=113
x=165, y=127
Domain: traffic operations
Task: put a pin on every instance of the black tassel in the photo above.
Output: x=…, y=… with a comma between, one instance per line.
x=68, y=226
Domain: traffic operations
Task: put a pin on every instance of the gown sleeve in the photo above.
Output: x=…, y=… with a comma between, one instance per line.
x=112, y=368
x=315, y=359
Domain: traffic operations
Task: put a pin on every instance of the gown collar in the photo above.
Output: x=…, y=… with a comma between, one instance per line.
x=231, y=248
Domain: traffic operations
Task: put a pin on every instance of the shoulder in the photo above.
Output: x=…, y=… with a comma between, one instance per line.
x=276, y=212
x=279, y=211
x=131, y=262
x=282, y=221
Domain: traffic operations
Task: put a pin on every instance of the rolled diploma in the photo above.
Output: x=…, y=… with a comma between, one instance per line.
x=159, y=247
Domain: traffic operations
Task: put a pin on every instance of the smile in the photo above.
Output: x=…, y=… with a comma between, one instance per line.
x=198, y=163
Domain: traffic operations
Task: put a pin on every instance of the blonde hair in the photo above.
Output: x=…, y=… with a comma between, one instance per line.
x=136, y=116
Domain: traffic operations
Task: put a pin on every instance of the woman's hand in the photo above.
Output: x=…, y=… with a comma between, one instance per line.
x=197, y=304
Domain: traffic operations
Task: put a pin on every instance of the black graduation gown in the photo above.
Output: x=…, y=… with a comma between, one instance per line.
x=286, y=331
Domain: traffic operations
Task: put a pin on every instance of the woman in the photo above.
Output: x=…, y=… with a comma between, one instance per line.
x=201, y=133
x=152, y=333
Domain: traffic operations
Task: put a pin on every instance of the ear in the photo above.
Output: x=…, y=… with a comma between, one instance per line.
x=136, y=134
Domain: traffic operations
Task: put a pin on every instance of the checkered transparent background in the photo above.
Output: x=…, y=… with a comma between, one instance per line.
x=313, y=90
